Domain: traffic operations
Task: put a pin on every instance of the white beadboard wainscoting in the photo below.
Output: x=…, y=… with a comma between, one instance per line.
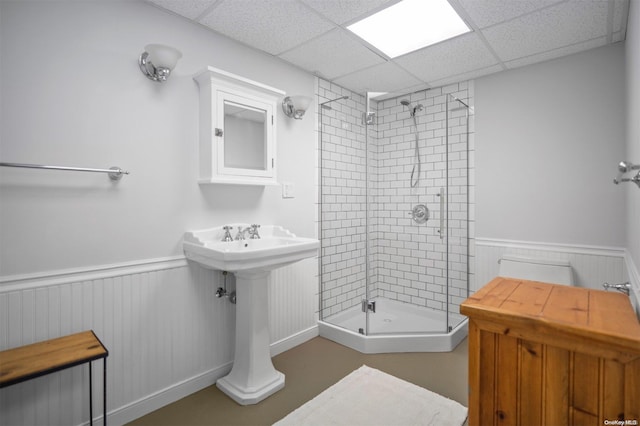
x=592, y=265
x=167, y=333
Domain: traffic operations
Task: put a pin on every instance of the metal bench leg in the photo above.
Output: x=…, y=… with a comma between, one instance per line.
x=90, y=396
x=104, y=390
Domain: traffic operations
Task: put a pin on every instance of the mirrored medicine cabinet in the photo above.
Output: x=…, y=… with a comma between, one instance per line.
x=237, y=129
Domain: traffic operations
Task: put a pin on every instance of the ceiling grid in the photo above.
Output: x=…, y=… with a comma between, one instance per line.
x=313, y=35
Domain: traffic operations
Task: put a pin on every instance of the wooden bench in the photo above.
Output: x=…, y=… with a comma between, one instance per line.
x=38, y=359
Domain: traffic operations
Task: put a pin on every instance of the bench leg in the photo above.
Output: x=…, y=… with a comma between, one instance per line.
x=90, y=396
x=104, y=391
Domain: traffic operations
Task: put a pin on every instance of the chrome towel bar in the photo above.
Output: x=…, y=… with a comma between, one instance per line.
x=115, y=173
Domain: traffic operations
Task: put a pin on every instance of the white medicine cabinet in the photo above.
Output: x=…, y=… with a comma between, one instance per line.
x=237, y=129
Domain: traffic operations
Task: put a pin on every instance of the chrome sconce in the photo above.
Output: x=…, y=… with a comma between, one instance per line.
x=295, y=106
x=625, y=167
x=158, y=60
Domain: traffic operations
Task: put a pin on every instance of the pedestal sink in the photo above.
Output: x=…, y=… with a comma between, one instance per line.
x=253, y=377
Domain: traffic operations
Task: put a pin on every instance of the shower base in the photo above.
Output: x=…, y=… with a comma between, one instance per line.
x=395, y=327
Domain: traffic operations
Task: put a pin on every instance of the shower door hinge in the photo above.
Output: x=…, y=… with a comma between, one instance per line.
x=368, y=305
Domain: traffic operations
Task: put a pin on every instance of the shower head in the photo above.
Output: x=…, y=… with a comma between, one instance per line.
x=405, y=102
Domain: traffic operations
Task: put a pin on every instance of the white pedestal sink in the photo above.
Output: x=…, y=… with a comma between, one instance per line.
x=253, y=377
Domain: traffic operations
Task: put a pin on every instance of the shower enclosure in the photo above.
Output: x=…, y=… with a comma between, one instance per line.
x=394, y=218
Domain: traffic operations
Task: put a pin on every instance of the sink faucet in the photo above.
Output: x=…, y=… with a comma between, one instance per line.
x=241, y=233
x=253, y=232
x=227, y=235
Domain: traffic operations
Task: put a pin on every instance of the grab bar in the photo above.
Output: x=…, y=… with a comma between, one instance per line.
x=441, y=230
x=115, y=173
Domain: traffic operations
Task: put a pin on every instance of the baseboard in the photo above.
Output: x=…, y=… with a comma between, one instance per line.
x=150, y=403
x=185, y=388
x=294, y=340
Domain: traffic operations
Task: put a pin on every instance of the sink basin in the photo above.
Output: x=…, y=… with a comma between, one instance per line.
x=277, y=247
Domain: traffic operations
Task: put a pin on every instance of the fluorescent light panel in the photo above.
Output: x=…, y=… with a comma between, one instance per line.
x=410, y=25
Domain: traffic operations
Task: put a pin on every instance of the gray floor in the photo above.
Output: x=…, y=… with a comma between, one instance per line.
x=309, y=369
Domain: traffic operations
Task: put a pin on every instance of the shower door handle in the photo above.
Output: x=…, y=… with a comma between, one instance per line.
x=441, y=230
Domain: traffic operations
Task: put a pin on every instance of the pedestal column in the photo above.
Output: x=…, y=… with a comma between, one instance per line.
x=253, y=377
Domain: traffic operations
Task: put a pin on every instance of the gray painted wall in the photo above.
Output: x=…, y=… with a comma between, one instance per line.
x=72, y=94
x=633, y=129
x=548, y=140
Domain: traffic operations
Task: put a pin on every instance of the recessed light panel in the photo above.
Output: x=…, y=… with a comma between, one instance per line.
x=410, y=25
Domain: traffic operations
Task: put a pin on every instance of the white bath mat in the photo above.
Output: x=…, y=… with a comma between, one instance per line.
x=370, y=397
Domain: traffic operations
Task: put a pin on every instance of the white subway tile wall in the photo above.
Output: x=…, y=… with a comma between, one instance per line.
x=407, y=261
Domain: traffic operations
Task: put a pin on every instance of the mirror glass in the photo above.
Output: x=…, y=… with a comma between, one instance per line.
x=245, y=138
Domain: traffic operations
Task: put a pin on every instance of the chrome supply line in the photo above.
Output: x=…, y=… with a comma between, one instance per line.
x=115, y=173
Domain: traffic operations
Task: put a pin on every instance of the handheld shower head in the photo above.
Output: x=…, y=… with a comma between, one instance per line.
x=412, y=109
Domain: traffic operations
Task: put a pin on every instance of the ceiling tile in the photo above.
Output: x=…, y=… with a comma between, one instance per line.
x=187, y=8
x=343, y=11
x=490, y=12
x=466, y=76
x=620, y=12
x=332, y=55
x=455, y=56
x=386, y=77
x=557, y=26
x=557, y=53
x=270, y=25
x=616, y=37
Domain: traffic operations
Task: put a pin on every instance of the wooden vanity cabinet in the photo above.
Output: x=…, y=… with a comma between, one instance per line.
x=545, y=354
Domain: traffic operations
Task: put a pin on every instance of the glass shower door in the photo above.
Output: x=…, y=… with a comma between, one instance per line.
x=342, y=212
x=457, y=208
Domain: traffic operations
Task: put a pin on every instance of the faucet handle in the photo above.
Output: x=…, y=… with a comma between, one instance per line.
x=227, y=234
x=254, y=232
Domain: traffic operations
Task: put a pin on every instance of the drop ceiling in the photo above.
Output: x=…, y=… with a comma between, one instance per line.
x=506, y=34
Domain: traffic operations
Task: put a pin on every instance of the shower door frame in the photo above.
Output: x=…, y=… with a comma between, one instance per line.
x=467, y=238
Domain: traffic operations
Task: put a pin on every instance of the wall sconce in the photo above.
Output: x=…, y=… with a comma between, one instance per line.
x=295, y=106
x=158, y=60
x=626, y=167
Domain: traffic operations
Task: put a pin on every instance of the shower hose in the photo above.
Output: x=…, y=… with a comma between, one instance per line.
x=415, y=174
